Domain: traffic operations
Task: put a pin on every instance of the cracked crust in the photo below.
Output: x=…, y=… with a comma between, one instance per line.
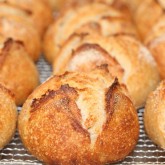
x=79, y=118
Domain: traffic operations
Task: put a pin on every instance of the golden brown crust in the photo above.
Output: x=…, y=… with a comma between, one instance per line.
x=117, y=121
x=17, y=72
x=8, y=116
x=154, y=116
x=69, y=119
x=133, y=62
x=76, y=18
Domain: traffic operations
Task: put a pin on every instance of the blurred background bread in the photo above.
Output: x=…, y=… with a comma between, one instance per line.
x=20, y=28
x=156, y=43
x=154, y=116
x=8, y=116
x=125, y=56
x=149, y=19
x=108, y=19
x=85, y=118
x=145, y=18
x=37, y=11
x=26, y=21
x=18, y=73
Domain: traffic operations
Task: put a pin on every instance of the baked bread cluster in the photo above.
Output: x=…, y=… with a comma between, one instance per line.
x=125, y=57
x=79, y=118
x=150, y=18
x=105, y=19
x=113, y=32
x=22, y=25
x=86, y=112
x=8, y=116
x=154, y=115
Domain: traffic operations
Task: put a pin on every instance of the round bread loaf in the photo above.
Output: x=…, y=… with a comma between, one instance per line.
x=154, y=116
x=79, y=118
x=8, y=116
x=20, y=28
x=98, y=14
x=126, y=58
x=39, y=12
x=17, y=71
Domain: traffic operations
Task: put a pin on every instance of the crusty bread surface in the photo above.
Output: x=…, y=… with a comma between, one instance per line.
x=79, y=118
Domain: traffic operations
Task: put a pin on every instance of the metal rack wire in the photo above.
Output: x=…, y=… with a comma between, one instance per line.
x=145, y=152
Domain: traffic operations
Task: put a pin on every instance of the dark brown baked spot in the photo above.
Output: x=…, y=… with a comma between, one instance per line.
x=36, y=103
x=78, y=128
x=9, y=42
x=64, y=99
x=110, y=99
x=7, y=91
x=2, y=59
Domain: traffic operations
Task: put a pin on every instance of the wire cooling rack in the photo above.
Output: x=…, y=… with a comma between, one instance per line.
x=145, y=152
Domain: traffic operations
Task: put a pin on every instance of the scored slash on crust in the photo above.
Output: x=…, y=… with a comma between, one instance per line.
x=68, y=99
